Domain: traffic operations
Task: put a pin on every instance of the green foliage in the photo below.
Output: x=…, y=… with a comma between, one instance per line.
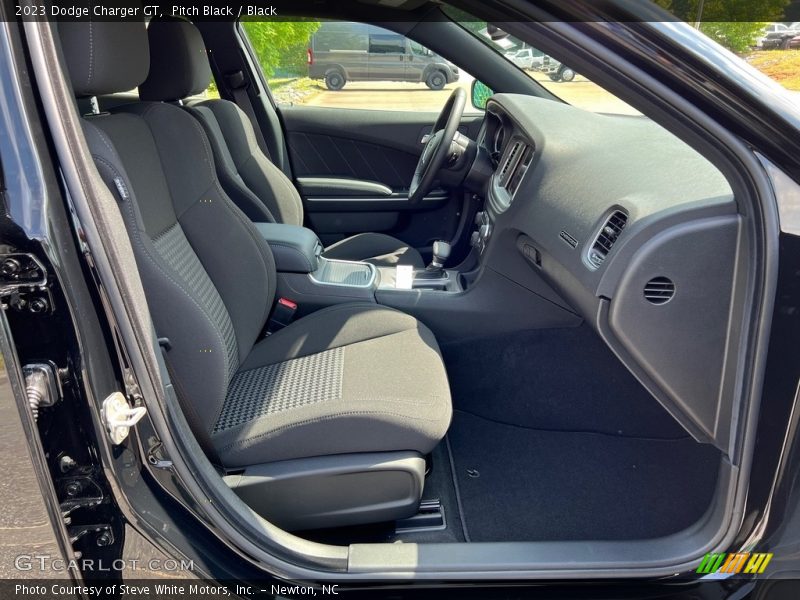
x=476, y=27
x=726, y=11
x=735, y=36
x=281, y=45
x=736, y=24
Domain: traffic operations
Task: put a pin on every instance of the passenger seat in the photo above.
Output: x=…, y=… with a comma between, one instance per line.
x=180, y=69
x=325, y=422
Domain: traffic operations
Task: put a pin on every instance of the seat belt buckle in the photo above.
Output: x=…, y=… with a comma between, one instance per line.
x=282, y=315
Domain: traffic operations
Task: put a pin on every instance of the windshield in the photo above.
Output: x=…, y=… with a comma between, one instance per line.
x=771, y=47
x=558, y=78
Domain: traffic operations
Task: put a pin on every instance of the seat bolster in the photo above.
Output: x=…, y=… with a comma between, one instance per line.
x=201, y=378
x=376, y=248
x=250, y=204
x=264, y=179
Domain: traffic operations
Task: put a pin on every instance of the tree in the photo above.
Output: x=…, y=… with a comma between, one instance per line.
x=736, y=24
x=281, y=45
x=735, y=36
x=726, y=11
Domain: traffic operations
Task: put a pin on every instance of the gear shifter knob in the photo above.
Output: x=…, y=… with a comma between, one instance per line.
x=441, y=252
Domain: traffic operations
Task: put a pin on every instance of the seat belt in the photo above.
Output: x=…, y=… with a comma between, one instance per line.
x=282, y=315
x=238, y=86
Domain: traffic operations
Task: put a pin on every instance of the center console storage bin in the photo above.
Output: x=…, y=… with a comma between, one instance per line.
x=339, y=272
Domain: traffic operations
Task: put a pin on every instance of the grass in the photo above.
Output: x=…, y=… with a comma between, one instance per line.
x=279, y=82
x=297, y=90
x=782, y=66
x=285, y=90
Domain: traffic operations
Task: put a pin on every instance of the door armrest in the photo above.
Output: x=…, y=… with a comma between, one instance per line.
x=341, y=187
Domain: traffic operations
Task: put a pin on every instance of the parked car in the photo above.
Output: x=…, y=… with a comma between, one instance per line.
x=342, y=51
x=776, y=36
x=792, y=43
x=528, y=58
x=558, y=71
x=513, y=349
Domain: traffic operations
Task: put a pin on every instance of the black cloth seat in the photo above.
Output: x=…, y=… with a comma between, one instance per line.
x=348, y=379
x=341, y=389
x=180, y=69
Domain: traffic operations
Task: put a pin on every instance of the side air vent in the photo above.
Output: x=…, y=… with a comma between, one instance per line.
x=510, y=162
x=659, y=290
x=607, y=237
x=520, y=170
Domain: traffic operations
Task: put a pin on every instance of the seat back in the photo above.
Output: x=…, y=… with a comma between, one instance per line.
x=208, y=275
x=180, y=69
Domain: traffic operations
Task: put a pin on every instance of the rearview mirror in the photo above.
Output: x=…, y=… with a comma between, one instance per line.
x=480, y=93
x=495, y=32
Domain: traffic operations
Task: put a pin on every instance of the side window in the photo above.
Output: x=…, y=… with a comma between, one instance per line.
x=383, y=43
x=419, y=49
x=341, y=64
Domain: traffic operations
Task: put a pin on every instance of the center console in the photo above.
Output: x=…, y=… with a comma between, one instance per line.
x=313, y=281
x=492, y=291
x=310, y=279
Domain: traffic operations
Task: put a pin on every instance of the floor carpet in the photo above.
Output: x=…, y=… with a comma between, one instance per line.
x=519, y=484
x=553, y=439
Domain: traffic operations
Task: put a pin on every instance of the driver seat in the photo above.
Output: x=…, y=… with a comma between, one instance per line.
x=179, y=68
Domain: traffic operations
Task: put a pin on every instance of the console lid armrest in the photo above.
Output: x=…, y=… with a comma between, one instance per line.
x=296, y=249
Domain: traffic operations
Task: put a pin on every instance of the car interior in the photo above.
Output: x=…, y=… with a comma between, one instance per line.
x=517, y=324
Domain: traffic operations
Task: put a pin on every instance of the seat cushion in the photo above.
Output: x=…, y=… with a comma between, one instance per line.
x=376, y=248
x=348, y=378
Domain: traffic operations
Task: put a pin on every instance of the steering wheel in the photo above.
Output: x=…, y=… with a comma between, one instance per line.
x=437, y=146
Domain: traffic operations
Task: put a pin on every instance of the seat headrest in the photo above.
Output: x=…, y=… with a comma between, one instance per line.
x=104, y=57
x=178, y=61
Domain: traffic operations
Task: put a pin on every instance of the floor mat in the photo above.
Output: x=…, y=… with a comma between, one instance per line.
x=521, y=484
x=559, y=379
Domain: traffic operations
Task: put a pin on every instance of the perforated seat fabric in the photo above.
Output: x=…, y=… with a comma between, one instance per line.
x=259, y=188
x=356, y=377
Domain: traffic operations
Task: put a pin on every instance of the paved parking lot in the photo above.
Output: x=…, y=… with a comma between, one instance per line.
x=387, y=95
x=391, y=95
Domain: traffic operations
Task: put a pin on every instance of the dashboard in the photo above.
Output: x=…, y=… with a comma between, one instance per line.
x=632, y=228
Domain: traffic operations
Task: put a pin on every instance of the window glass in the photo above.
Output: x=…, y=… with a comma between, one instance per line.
x=418, y=48
x=351, y=65
x=386, y=44
x=772, y=48
x=559, y=79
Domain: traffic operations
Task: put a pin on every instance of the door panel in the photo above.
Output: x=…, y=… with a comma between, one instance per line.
x=322, y=154
x=382, y=146
x=369, y=146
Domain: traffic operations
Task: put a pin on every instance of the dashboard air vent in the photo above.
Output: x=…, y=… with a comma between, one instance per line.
x=510, y=163
x=607, y=236
x=659, y=290
x=520, y=170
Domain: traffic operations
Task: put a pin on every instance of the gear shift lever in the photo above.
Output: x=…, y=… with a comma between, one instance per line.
x=441, y=252
x=434, y=276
